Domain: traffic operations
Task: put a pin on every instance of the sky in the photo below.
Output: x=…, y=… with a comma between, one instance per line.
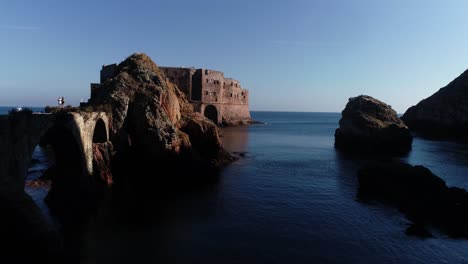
x=295, y=55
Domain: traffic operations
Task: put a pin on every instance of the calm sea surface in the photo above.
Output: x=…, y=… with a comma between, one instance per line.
x=292, y=199
x=4, y=109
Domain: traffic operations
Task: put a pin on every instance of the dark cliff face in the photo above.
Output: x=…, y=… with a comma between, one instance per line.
x=444, y=113
x=151, y=115
x=371, y=126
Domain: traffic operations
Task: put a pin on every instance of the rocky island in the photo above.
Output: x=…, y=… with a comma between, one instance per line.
x=222, y=100
x=371, y=126
x=137, y=138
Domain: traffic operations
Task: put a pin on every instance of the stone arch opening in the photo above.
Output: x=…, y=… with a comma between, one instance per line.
x=58, y=158
x=211, y=113
x=100, y=132
x=68, y=154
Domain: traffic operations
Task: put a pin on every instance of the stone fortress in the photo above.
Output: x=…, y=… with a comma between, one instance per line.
x=221, y=99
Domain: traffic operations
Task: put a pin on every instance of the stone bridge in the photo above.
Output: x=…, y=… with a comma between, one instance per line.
x=20, y=133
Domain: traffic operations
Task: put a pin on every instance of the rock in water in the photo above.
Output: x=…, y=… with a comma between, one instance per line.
x=152, y=115
x=443, y=114
x=371, y=126
x=422, y=196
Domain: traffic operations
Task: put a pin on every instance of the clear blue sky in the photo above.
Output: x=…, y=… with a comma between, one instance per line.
x=296, y=55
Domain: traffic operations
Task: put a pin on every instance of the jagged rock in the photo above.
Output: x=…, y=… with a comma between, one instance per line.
x=371, y=126
x=443, y=114
x=152, y=115
x=101, y=162
x=422, y=196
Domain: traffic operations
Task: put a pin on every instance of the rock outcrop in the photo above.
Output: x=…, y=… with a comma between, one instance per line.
x=25, y=235
x=151, y=115
x=102, y=155
x=371, y=126
x=443, y=114
x=422, y=196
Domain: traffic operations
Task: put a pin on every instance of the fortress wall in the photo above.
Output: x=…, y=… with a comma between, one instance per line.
x=182, y=77
x=235, y=113
x=95, y=89
x=212, y=86
x=108, y=71
x=233, y=92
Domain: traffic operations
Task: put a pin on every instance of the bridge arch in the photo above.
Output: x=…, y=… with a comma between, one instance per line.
x=100, y=134
x=211, y=112
x=71, y=134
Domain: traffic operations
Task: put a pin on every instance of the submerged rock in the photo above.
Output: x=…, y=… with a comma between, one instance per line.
x=443, y=114
x=371, y=126
x=422, y=196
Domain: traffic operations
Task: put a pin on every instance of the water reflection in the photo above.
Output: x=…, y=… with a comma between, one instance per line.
x=42, y=159
x=235, y=139
x=446, y=159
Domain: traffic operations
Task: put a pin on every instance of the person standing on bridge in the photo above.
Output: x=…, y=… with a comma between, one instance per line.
x=61, y=101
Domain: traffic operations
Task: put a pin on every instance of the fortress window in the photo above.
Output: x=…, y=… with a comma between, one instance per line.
x=231, y=94
x=214, y=93
x=206, y=93
x=242, y=93
x=206, y=72
x=207, y=80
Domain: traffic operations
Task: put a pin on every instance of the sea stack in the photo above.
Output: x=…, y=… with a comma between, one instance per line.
x=443, y=114
x=371, y=126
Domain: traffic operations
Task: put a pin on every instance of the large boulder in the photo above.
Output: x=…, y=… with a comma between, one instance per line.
x=443, y=114
x=152, y=115
x=422, y=196
x=371, y=126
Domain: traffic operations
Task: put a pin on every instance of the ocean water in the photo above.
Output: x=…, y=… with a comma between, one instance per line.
x=291, y=199
x=4, y=109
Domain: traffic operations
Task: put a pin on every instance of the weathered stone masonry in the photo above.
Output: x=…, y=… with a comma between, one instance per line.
x=221, y=99
x=20, y=135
